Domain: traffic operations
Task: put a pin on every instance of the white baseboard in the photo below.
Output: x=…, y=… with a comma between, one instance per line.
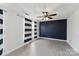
x=52, y=39
x=73, y=47
x=18, y=47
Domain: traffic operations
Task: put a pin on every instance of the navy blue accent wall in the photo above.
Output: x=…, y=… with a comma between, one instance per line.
x=54, y=29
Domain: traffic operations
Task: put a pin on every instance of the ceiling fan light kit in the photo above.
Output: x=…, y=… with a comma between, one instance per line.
x=47, y=16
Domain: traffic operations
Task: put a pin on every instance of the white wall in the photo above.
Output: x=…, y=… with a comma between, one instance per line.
x=13, y=31
x=33, y=30
x=38, y=29
x=73, y=30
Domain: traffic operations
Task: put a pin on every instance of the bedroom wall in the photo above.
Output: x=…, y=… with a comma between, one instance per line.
x=55, y=29
x=14, y=29
x=73, y=30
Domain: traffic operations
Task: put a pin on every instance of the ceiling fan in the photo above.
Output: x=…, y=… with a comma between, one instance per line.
x=46, y=15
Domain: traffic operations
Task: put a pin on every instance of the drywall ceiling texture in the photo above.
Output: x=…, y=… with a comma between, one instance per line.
x=63, y=10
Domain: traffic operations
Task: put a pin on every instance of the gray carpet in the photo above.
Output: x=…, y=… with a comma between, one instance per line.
x=44, y=47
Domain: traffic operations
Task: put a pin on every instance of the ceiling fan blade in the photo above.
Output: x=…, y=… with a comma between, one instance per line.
x=53, y=14
x=50, y=17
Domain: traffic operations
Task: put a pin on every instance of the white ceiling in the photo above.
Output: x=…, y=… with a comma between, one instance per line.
x=63, y=10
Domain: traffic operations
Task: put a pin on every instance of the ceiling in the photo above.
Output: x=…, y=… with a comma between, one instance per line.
x=63, y=10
